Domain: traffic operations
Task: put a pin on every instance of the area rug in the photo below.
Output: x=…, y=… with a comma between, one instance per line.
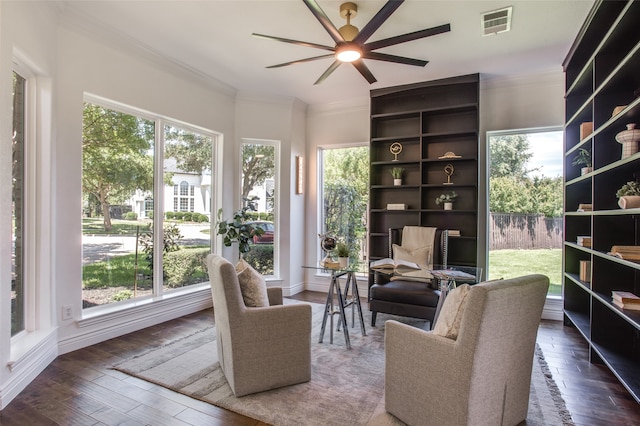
x=346, y=387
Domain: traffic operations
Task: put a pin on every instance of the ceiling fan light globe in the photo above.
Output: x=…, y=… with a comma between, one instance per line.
x=348, y=53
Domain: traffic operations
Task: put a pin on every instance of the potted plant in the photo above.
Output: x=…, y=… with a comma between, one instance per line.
x=583, y=158
x=342, y=251
x=397, y=173
x=629, y=195
x=447, y=200
x=238, y=229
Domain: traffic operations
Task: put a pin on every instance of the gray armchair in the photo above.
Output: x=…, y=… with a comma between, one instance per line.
x=480, y=378
x=258, y=348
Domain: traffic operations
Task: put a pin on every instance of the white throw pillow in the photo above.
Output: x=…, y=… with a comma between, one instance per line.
x=420, y=255
x=450, y=318
x=252, y=286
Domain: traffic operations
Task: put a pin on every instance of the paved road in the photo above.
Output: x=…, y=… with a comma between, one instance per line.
x=96, y=248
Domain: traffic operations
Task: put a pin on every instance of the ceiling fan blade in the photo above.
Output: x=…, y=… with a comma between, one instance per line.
x=364, y=70
x=324, y=20
x=393, y=58
x=407, y=37
x=328, y=72
x=300, y=61
x=379, y=19
x=296, y=42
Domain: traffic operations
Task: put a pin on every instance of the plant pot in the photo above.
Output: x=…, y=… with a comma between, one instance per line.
x=629, y=202
x=397, y=182
x=344, y=262
x=448, y=206
x=585, y=170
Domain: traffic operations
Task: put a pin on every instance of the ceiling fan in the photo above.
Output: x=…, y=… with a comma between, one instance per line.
x=351, y=43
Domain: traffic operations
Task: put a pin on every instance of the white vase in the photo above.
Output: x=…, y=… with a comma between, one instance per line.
x=629, y=202
x=448, y=206
x=397, y=182
x=629, y=139
x=585, y=170
x=344, y=262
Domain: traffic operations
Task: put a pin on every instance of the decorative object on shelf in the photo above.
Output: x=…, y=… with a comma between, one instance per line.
x=396, y=206
x=630, y=253
x=448, y=170
x=629, y=195
x=585, y=271
x=397, y=173
x=583, y=158
x=629, y=139
x=617, y=110
x=449, y=154
x=447, y=200
x=395, y=149
x=327, y=244
x=625, y=300
x=583, y=241
x=582, y=207
x=586, y=129
x=342, y=251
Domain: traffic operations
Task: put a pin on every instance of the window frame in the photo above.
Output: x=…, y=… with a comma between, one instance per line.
x=159, y=294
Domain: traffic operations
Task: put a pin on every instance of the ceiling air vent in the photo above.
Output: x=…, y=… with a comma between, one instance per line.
x=496, y=21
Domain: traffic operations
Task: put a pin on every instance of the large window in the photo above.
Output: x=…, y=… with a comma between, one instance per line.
x=17, y=206
x=260, y=194
x=122, y=224
x=345, y=189
x=525, y=205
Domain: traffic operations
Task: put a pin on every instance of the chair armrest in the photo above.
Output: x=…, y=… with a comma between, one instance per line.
x=275, y=295
x=281, y=321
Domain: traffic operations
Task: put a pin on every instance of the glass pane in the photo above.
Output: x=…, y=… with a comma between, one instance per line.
x=258, y=192
x=525, y=206
x=187, y=214
x=345, y=176
x=117, y=179
x=17, y=206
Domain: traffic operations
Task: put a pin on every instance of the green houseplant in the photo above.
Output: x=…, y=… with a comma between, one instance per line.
x=237, y=230
x=629, y=195
x=447, y=199
x=583, y=158
x=342, y=251
x=397, y=173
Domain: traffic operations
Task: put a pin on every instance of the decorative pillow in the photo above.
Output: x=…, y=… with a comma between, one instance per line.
x=420, y=255
x=448, y=323
x=252, y=286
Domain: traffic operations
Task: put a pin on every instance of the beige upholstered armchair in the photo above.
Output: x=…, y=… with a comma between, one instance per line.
x=482, y=376
x=258, y=348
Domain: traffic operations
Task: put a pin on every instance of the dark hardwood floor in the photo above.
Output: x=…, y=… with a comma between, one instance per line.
x=79, y=388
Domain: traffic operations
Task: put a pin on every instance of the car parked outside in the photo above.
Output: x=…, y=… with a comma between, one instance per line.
x=267, y=236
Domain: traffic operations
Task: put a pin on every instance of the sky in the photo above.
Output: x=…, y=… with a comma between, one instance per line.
x=547, y=153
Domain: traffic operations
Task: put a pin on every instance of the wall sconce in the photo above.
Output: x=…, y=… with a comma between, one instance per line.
x=299, y=174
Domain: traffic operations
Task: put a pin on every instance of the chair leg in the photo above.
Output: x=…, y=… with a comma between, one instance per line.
x=373, y=318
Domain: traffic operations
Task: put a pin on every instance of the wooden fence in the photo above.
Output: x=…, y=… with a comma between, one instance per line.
x=523, y=231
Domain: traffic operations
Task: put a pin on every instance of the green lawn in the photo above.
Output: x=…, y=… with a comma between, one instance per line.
x=118, y=226
x=513, y=263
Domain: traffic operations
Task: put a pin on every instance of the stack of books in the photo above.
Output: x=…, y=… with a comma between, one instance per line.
x=626, y=300
x=454, y=232
x=585, y=207
x=584, y=241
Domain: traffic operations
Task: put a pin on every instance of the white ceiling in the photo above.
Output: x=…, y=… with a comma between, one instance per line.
x=213, y=39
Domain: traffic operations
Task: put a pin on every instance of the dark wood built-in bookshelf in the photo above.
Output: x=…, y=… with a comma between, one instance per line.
x=429, y=120
x=603, y=72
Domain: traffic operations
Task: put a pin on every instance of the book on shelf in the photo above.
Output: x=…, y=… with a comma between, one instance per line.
x=584, y=241
x=585, y=207
x=388, y=263
x=454, y=232
x=396, y=206
x=630, y=306
x=625, y=297
x=631, y=253
x=585, y=271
